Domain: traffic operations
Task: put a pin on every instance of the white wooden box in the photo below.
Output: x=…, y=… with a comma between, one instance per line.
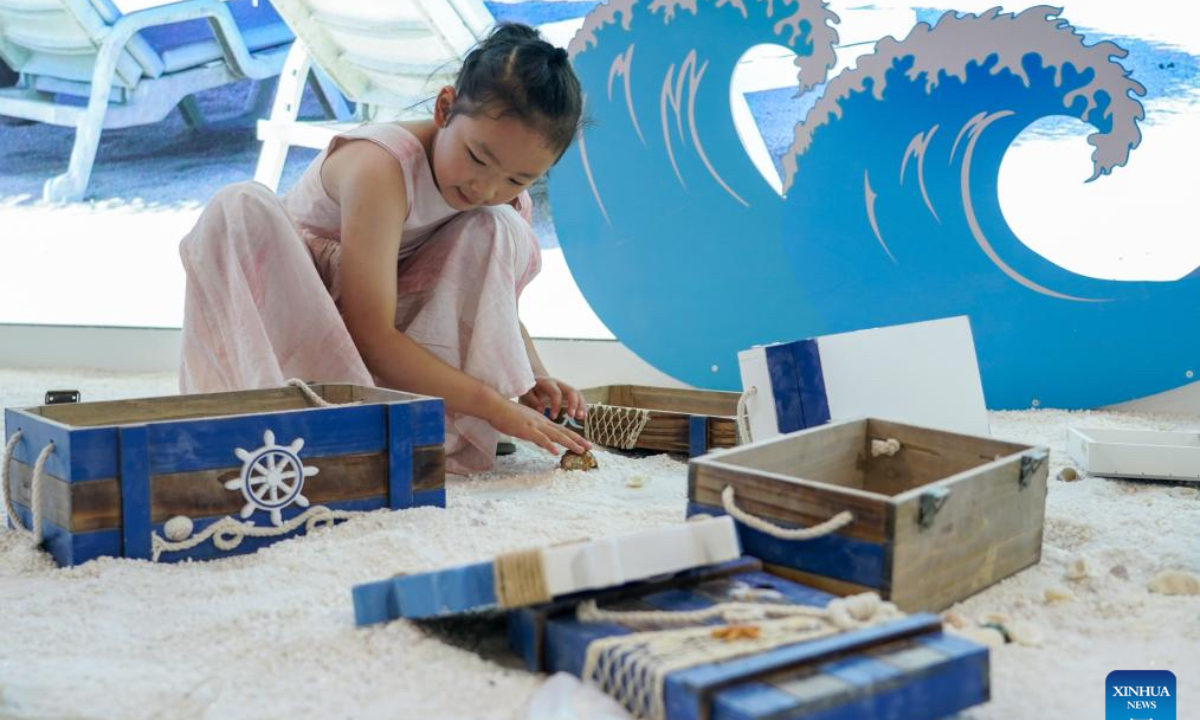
x=1145, y=454
x=921, y=373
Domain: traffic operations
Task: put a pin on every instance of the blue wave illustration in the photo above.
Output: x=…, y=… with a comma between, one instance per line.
x=890, y=214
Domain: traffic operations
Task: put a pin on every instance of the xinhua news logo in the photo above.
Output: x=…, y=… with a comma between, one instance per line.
x=1140, y=695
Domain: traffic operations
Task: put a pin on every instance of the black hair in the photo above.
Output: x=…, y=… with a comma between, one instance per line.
x=515, y=73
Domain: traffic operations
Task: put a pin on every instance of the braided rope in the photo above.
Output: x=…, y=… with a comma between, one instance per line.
x=310, y=394
x=228, y=533
x=831, y=525
x=36, y=483
x=520, y=579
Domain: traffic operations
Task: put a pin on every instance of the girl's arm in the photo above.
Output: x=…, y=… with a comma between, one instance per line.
x=368, y=185
x=548, y=393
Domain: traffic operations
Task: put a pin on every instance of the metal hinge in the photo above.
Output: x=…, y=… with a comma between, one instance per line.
x=1031, y=463
x=932, y=500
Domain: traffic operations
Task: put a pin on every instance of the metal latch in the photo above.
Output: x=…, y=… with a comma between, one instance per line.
x=61, y=397
x=932, y=500
x=1031, y=463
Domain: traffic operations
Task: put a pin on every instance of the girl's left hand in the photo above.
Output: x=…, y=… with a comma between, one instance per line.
x=555, y=395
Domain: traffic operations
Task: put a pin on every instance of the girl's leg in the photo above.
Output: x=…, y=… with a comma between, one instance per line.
x=256, y=311
x=458, y=298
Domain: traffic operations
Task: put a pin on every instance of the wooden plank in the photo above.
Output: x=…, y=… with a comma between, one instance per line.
x=203, y=444
x=823, y=582
x=833, y=454
x=400, y=456
x=135, y=492
x=179, y=407
x=988, y=528
x=79, y=455
x=428, y=468
x=788, y=500
x=689, y=402
x=834, y=555
x=203, y=494
x=55, y=495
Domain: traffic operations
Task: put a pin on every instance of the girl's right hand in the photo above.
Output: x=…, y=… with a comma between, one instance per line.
x=514, y=419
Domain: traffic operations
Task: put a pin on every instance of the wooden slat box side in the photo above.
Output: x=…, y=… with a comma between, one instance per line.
x=943, y=518
x=681, y=420
x=121, y=469
x=904, y=668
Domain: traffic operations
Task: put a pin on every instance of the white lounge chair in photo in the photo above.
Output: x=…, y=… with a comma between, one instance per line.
x=387, y=58
x=88, y=65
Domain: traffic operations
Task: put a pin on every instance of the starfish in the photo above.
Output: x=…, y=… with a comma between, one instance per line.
x=733, y=633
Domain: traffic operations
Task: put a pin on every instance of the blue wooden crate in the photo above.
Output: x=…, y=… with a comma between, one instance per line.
x=905, y=668
x=232, y=472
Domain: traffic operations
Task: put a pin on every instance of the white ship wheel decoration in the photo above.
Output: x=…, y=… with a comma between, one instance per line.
x=272, y=477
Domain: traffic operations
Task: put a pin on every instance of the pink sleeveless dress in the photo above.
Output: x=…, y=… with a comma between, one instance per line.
x=263, y=288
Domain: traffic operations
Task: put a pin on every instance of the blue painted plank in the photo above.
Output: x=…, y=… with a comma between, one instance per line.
x=872, y=689
x=428, y=422
x=810, y=378
x=79, y=454
x=207, y=443
x=430, y=498
x=69, y=548
x=208, y=551
x=785, y=388
x=697, y=435
x=400, y=456
x=687, y=691
x=850, y=559
x=135, y=492
x=426, y=595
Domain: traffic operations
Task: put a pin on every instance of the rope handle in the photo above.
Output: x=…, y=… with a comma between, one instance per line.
x=743, y=415
x=832, y=525
x=35, y=501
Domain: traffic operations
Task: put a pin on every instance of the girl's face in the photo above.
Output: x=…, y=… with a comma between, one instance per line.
x=483, y=160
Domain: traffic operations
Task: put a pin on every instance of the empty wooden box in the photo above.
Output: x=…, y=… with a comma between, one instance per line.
x=933, y=516
x=665, y=419
x=202, y=476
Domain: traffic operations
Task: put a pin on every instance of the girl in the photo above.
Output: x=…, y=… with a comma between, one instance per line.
x=398, y=259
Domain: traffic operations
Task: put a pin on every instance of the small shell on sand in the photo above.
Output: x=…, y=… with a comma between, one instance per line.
x=1058, y=594
x=1175, y=582
x=956, y=620
x=1184, y=493
x=1120, y=572
x=993, y=619
x=635, y=481
x=1077, y=569
x=575, y=461
x=1068, y=474
x=1026, y=633
x=990, y=637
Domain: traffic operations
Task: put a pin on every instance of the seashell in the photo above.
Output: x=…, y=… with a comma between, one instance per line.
x=956, y=620
x=1026, y=633
x=575, y=461
x=1175, y=582
x=1058, y=594
x=635, y=481
x=988, y=636
x=993, y=619
x=1068, y=474
x=1184, y=493
x=1119, y=571
x=178, y=528
x=1077, y=569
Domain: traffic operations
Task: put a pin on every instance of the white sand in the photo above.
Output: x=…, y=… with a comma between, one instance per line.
x=272, y=635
